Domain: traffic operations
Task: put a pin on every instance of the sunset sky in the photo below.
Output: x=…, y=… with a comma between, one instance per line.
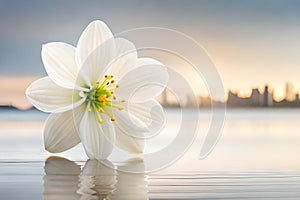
x=252, y=42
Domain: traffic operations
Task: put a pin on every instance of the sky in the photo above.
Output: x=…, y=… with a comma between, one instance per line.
x=251, y=42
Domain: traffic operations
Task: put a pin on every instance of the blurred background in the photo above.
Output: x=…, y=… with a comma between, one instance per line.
x=253, y=44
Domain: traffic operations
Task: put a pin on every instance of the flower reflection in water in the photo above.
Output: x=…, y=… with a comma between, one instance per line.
x=97, y=180
x=61, y=179
x=131, y=186
x=64, y=179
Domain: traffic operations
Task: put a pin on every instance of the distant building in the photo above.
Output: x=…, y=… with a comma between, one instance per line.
x=289, y=92
x=297, y=99
x=267, y=97
x=167, y=100
x=255, y=100
x=204, y=101
x=288, y=104
x=256, y=97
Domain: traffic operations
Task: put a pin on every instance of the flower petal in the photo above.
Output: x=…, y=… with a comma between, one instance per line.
x=59, y=62
x=143, y=83
x=151, y=114
x=60, y=132
x=96, y=62
x=45, y=95
x=136, y=123
x=130, y=143
x=96, y=138
x=125, y=59
x=92, y=37
x=112, y=56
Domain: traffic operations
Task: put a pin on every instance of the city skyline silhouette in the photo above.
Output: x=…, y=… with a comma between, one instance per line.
x=257, y=98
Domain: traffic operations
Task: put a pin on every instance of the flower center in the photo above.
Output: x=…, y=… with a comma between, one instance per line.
x=100, y=98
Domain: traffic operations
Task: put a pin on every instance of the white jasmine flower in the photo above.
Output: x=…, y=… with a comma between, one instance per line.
x=89, y=90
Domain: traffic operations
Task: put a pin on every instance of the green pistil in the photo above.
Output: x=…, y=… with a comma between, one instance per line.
x=100, y=98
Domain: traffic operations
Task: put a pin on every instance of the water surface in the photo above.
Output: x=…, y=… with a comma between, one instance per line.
x=257, y=157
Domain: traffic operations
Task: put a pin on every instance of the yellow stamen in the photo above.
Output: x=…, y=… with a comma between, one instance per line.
x=107, y=80
x=102, y=98
x=122, y=100
x=100, y=121
x=117, y=106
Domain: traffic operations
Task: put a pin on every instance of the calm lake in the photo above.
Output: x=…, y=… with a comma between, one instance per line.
x=257, y=157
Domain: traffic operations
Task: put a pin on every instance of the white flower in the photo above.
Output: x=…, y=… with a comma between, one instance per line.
x=99, y=93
